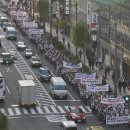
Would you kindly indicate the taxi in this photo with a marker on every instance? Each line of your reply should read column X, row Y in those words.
column 95, row 128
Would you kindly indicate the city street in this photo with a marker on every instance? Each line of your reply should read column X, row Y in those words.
column 49, row 112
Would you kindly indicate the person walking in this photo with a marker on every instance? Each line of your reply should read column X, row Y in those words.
column 120, row 86
column 63, row 39
column 124, row 84
column 68, row 45
column 108, row 70
column 80, row 53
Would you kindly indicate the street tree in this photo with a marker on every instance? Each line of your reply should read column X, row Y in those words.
column 3, row 122
column 81, row 37
column 43, row 10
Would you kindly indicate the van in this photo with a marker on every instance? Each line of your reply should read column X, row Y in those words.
column 68, row 125
column 3, row 19
column 2, row 87
column 11, row 33
column 58, row 88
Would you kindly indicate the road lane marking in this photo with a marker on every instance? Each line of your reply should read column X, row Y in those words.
column 54, row 109
column 46, row 109
column 88, row 108
column 83, row 109
column 61, row 109
column 39, row 110
column 8, row 89
column 15, row 105
column 10, row 111
column 25, row 111
column 3, row 111
column 32, row 111
column 17, row 111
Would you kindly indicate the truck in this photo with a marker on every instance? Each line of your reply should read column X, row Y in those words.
column 26, row 93
column 2, row 87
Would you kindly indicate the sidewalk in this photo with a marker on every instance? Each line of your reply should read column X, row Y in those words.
column 73, row 48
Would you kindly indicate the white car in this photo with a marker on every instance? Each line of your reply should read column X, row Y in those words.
column 35, row 61
column 28, row 52
column 21, row 45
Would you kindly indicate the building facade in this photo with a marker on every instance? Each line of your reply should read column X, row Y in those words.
column 114, row 35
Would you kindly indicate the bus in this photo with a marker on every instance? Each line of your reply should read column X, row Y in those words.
column 2, row 87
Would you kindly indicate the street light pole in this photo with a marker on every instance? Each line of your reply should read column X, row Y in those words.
column 50, row 20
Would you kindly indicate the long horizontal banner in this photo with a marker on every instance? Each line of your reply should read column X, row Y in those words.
column 116, row 120
column 91, row 81
column 95, row 88
column 87, row 76
column 69, row 65
column 112, row 100
column 36, row 31
column 30, row 25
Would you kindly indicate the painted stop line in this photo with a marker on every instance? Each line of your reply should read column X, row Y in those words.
column 56, row 118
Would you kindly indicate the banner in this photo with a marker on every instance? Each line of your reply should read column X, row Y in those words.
column 91, row 81
column 36, row 31
column 69, row 65
column 112, row 100
column 30, row 24
column 116, row 120
column 87, row 76
column 95, row 88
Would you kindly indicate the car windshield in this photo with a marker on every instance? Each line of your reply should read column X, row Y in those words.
column 60, row 87
column 6, row 56
column 28, row 50
column 45, row 72
column 35, row 59
column 12, row 32
column 77, row 111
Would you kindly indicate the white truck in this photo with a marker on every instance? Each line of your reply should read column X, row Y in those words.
column 27, row 93
column 2, row 87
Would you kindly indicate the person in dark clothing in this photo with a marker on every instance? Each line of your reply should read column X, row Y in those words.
column 108, row 70
column 68, row 46
column 0, row 43
column 120, row 86
column 113, row 76
column 80, row 54
column 104, row 80
column 124, row 84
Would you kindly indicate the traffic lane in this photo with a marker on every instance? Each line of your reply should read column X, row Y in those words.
column 11, row 76
column 32, row 123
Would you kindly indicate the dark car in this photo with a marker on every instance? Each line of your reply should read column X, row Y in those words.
column 44, row 74
column 6, row 58
column 76, row 114
column 35, row 61
column 20, row 45
column 28, row 52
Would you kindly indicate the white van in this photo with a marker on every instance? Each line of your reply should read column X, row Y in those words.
column 68, row 125
column 2, row 87
column 11, row 33
column 58, row 88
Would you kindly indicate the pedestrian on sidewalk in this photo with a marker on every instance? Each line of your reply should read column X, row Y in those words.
column 80, row 53
column 0, row 43
column 68, row 45
column 63, row 39
column 124, row 84
column 108, row 70
column 120, row 85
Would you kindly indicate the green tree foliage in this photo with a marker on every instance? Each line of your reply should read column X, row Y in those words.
column 3, row 122
column 81, row 37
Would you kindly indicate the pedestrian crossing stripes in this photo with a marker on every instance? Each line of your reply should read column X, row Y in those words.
column 16, row 111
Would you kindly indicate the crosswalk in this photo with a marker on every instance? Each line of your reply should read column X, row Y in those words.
column 17, row 111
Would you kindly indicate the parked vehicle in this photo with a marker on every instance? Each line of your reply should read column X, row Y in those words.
column 28, row 52
column 76, row 114
column 6, row 24
column 6, row 58
column 2, row 87
column 58, row 88
column 26, row 93
column 11, row 33
column 35, row 61
column 44, row 74
column 20, row 45
column 68, row 125
column 3, row 19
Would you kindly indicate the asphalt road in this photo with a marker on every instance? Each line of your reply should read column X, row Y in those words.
column 43, row 116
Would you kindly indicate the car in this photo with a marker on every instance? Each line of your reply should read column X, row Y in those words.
column 68, row 125
column 44, row 74
column 95, row 128
column 6, row 24
column 28, row 52
column 6, row 58
column 20, row 45
column 76, row 114
column 35, row 61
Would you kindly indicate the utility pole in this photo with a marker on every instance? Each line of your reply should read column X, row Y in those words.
column 115, row 67
column 50, row 20
column 76, row 22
